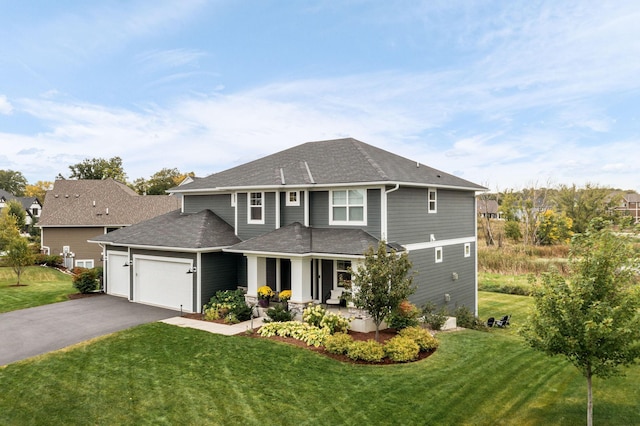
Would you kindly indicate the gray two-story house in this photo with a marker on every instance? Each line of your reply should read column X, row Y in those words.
column 298, row 220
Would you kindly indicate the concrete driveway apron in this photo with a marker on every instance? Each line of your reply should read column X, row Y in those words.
column 34, row 331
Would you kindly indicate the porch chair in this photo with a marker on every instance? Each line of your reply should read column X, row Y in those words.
column 504, row 321
column 491, row 321
column 335, row 297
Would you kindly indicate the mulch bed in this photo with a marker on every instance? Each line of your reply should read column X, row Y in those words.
column 383, row 336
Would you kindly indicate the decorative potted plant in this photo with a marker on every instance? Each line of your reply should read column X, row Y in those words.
column 265, row 293
column 284, row 297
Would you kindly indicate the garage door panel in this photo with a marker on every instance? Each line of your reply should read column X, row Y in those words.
column 117, row 275
column 164, row 283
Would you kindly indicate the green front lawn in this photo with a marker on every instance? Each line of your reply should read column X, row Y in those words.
column 43, row 286
column 161, row 374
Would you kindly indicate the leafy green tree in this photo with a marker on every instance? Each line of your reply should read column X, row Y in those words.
column 16, row 210
column 160, row 181
column 13, row 182
column 593, row 318
column 99, row 168
column 9, row 230
column 584, row 204
column 19, row 256
column 382, row 283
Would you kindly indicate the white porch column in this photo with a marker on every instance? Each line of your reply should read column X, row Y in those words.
column 301, row 280
column 256, row 274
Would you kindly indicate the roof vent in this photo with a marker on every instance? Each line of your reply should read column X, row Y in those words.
column 438, row 176
column 56, row 196
column 107, row 211
column 417, row 164
column 77, row 195
column 66, row 195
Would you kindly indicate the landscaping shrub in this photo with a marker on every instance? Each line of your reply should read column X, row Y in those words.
column 313, row 314
column 47, row 260
column 425, row 340
column 278, row 314
column 401, row 349
column 228, row 305
column 311, row 335
column 335, row 323
column 370, row 351
column 405, row 315
column 338, row 343
column 433, row 316
column 466, row 319
column 85, row 281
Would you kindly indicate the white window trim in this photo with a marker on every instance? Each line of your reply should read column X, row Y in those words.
column 233, row 199
column 336, row 280
column 439, row 255
column 362, row 222
column 288, row 201
column 467, row 250
column 89, row 261
column 254, row 221
column 435, row 200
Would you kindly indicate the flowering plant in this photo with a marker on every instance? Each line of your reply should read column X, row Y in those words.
column 265, row 292
column 285, row 295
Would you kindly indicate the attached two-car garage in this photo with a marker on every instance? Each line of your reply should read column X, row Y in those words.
column 159, row 281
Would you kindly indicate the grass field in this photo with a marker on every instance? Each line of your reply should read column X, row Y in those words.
column 43, row 286
column 160, row 374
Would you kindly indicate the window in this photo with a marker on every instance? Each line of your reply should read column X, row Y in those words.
column 433, row 201
column 343, row 276
column 467, row 250
column 256, row 208
column 34, row 211
column 348, row 207
column 293, row 198
column 84, row 263
column 438, row 254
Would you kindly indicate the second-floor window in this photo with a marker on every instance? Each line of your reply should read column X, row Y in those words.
column 256, row 207
column 348, row 207
column 293, row 198
column 433, row 201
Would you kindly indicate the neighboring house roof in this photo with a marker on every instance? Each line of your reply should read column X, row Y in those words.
column 175, row 230
column 299, row 239
column 25, row 202
column 487, row 206
column 100, row 203
column 340, row 161
column 632, row 198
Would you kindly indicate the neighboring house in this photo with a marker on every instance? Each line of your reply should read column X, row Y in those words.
column 488, row 209
column 630, row 206
column 31, row 206
column 77, row 210
column 297, row 220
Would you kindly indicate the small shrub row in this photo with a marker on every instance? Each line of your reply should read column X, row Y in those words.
column 404, row 347
column 433, row 316
column 86, row 280
column 310, row 334
column 405, row 315
column 47, row 260
column 321, row 318
column 465, row 318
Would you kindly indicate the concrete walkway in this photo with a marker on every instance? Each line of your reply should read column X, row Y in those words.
column 212, row 327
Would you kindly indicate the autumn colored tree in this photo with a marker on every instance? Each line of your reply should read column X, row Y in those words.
column 160, row 181
column 382, row 283
column 38, row 190
column 592, row 318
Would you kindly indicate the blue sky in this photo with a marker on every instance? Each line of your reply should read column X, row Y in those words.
column 507, row 94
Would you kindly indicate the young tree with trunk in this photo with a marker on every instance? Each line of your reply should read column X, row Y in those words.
column 381, row 283
column 18, row 256
column 9, row 230
column 593, row 318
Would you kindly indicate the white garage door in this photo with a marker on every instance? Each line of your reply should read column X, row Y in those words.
column 163, row 282
column 117, row 275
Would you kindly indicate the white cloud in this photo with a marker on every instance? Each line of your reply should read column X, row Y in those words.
column 5, row 106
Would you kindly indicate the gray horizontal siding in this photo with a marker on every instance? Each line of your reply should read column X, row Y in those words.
column 246, row 230
column 319, row 211
column 218, row 272
column 291, row 214
column 434, row 280
column 410, row 222
column 220, row 204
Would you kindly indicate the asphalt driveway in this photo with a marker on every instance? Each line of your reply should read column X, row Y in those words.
column 34, row 331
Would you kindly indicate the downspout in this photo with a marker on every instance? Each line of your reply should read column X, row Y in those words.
column 104, row 268
column 385, row 217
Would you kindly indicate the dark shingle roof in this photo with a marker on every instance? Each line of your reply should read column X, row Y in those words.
column 299, row 239
column 200, row 230
column 100, row 203
column 340, row 161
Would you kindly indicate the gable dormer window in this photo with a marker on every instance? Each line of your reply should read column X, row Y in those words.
column 348, row 207
column 293, row 198
column 255, row 206
column 433, row 201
